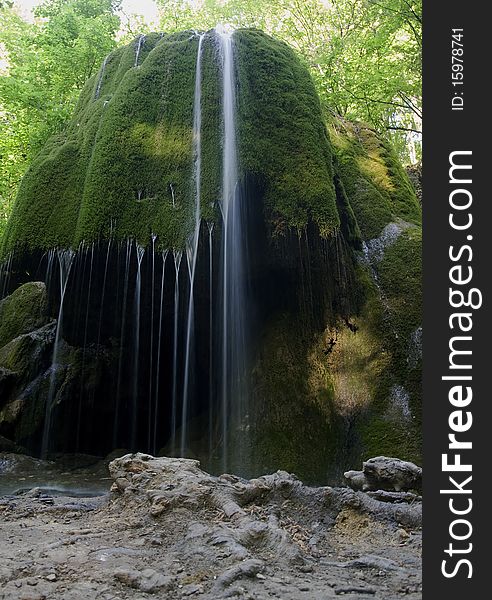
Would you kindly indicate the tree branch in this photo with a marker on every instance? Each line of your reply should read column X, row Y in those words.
column 403, row 129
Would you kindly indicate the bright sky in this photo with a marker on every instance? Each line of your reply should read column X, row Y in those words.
column 146, row 8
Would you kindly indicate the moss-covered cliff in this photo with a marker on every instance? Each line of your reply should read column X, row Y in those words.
column 124, row 163
column 333, row 237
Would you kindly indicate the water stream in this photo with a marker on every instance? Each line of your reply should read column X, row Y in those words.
column 65, row 261
column 192, row 246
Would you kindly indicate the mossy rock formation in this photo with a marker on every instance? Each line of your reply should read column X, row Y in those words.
column 124, row 164
column 333, row 234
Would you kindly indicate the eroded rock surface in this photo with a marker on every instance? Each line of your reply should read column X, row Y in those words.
column 169, row 530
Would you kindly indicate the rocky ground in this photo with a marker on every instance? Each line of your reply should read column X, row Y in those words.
column 169, row 530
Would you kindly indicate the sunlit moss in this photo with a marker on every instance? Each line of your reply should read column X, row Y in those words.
column 373, row 178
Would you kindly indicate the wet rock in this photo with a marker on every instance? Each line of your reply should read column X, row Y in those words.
column 7, row 380
column 23, row 311
column 7, row 445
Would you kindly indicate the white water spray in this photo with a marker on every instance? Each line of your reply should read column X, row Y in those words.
column 65, row 260
column 192, row 246
column 234, row 308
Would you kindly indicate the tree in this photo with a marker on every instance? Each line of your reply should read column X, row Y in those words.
column 46, row 65
column 364, row 55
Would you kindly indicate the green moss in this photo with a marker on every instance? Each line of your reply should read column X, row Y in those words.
column 394, row 313
column 376, row 184
column 126, row 152
column 283, row 141
column 383, row 438
column 400, row 275
column 124, row 164
column 296, row 428
column 211, row 131
column 23, row 311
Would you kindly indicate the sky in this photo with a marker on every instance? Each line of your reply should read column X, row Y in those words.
column 146, row 8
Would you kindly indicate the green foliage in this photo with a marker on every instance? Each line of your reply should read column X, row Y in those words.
column 46, row 64
column 364, row 56
column 123, row 166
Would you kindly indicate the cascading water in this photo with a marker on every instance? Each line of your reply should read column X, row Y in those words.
column 65, row 261
column 138, row 294
column 210, row 227
column 172, row 371
column 5, row 270
column 192, row 246
column 140, row 43
column 86, row 328
column 234, row 389
column 159, row 350
column 101, row 77
column 174, row 415
column 151, row 349
column 128, row 255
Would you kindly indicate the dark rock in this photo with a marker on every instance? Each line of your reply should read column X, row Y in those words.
column 7, row 380
column 23, row 311
column 7, row 445
column 383, row 473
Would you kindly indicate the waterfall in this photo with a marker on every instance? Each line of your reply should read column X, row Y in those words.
column 141, row 41
column 86, row 327
column 210, row 337
column 65, row 260
column 159, row 347
column 177, row 263
column 103, row 293
column 151, row 350
column 5, row 272
column 128, row 256
column 192, row 246
column 233, row 286
column 136, row 357
column 100, row 80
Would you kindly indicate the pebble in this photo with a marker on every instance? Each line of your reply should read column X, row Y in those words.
column 51, row 577
column 402, row 535
column 192, row 588
column 306, row 568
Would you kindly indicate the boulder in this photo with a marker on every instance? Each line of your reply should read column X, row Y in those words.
column 383, row 473
column 23, row 311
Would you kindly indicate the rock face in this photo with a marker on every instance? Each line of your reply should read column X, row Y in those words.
column 383, row 473
column 23, row 311
column 170, row 529
column 333, row 270
column 27, row 370
column 26, row 344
